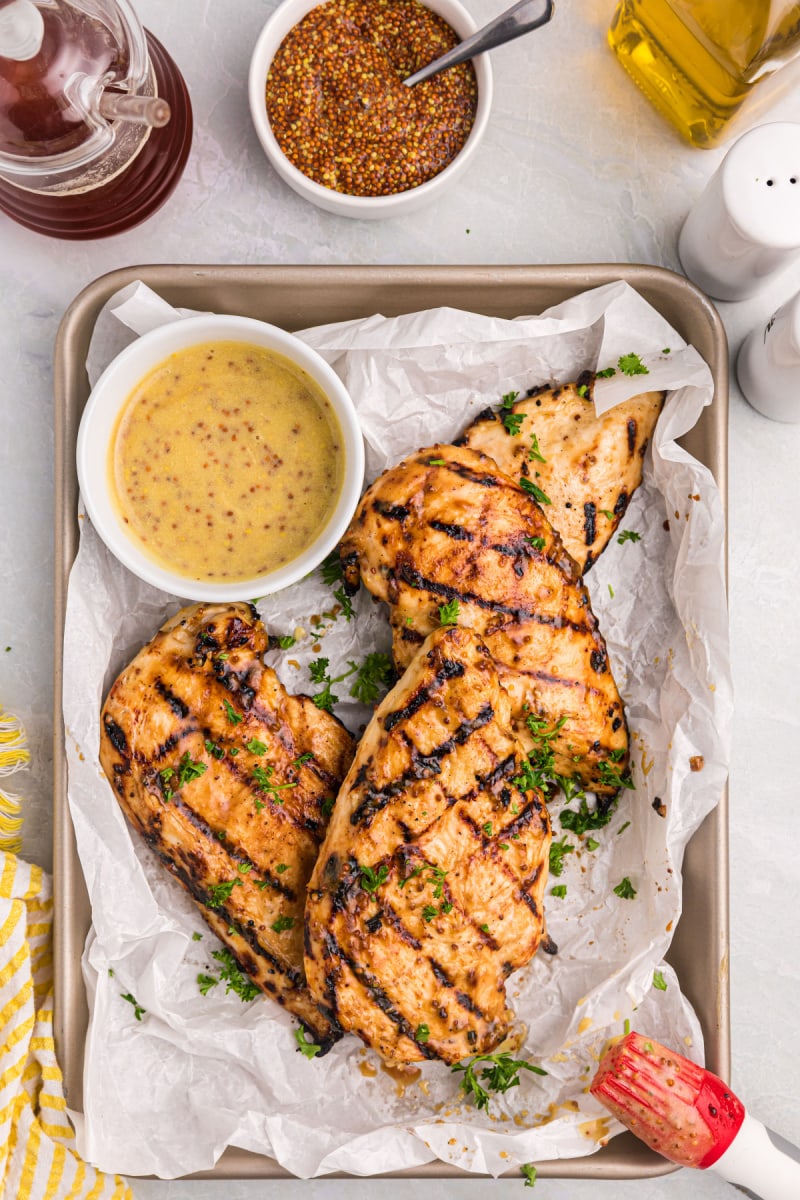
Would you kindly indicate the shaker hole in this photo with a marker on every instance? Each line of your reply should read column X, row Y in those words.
column 770, row 182
column 793, row 180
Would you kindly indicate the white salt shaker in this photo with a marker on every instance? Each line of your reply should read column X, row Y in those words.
column 768, row 364
column 745, row 227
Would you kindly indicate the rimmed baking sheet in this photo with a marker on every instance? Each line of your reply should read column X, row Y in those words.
column 299, row 297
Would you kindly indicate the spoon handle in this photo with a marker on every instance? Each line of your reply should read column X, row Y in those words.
column 520, row 18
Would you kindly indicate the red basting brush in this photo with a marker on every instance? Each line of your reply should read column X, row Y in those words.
column 691, row 1117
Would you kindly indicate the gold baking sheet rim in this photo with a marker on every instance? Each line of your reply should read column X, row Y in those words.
column 297, row 297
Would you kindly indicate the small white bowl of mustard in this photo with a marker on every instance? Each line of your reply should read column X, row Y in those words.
column 334, row 118
column 220, row 458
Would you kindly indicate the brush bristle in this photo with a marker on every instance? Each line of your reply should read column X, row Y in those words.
column 678, row 1109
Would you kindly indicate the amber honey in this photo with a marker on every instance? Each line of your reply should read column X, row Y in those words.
column 697, row 60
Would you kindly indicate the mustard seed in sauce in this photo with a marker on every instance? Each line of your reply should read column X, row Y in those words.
column 200, row 485
column 340, row 111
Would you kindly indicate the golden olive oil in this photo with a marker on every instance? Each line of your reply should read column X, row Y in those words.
column 696, row 60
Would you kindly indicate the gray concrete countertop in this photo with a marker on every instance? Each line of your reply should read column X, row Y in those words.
column 575, row 168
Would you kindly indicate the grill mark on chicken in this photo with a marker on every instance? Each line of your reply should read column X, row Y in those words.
column 395, row 922
column 423, row 766
column 441, row 977
column 631, row 435
column 238, row 857
column 176, row 704
column 392, row 512
column 219, row 827
column 116, row 736
column 586, row 457
column 590, row 522
column 457, row 532
column 199, row 893
column 417, row 580
column 533, row 611
column 414, row 949
column 448, row 670
column 379, row 997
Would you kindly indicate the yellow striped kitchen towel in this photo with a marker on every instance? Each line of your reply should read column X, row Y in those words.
column 37, row 1158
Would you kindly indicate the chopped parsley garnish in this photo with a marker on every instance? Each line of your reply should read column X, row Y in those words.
column 539, row 767
column 302, row 758
column 583, row 818
column 281, row 924
column 214, row 750
column 448, row 613
column 165, row 775
column 263, row 779
column 137, row 1008
column 197, row 937
column 281, row 867
column 607, row 513
column 287, row 641
column 498, row 1073
column 446, row 907
column 326, row 808
column 256, row 747
column 659, row 981
column 188, row 769
column 508, row 399
column 631, row 364
column 484, row 928
column 559, row 891
column 625, row 889
column 536, row 542
column 487, row 828
column 244, row 868
column 371, row 879
column 344, row 600
column 558, row 851
column 583, row 391
column 233, row 716
column 529, row 1171
column 422, row 1034
column 375, row 673
column 591, row 844
column 622, row 828
column 626, row 1028
column 529, row 486
column 318, row 670
column 628, row 535
column 613, row 776
column 232, row 976
column 218, row 893
column 611, row 591
column 429, row 912
column 331, row 567
column 535, row 453
column 206, row 983
column 606, row 373
column 435, row 462
column 512, row 423
column 307, row 1049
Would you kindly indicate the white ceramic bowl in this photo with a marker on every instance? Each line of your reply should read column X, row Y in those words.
column 98, row 425
column 284, row 18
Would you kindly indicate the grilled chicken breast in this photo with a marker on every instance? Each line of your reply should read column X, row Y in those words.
column 229, row 778
column 445, row 527
column 429, row 887
column 587, row 466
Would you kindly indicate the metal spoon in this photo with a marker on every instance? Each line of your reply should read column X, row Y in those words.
column 520, row 18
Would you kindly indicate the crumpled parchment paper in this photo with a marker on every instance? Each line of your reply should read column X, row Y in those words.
column 165, row 1093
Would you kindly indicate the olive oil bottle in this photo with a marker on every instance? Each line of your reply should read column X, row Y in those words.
column 697, row 60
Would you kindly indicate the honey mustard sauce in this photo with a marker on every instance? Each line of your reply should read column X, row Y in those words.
column 227, row 461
